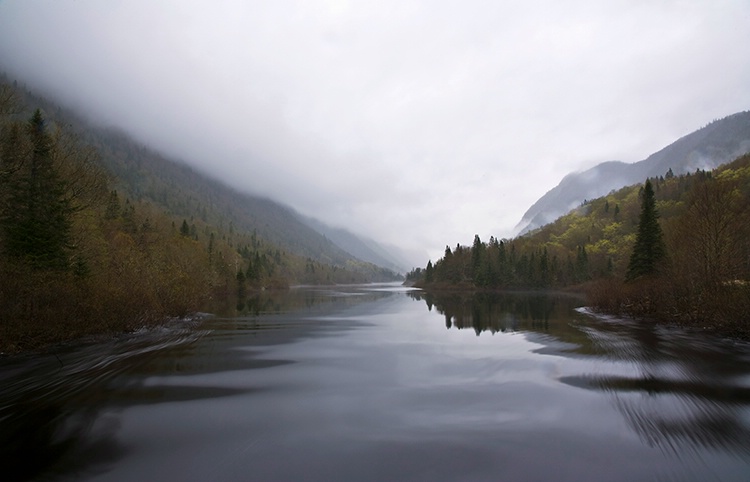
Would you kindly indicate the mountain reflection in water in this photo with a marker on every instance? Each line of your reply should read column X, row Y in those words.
column 364, row 383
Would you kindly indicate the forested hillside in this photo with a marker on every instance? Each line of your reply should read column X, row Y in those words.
column 703, row 220
column 143, row 174
column 99, row 234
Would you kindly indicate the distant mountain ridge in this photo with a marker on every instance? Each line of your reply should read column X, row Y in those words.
column 717, row 143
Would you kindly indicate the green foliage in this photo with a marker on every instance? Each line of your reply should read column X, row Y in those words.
column 649, row 252
column 701, row 219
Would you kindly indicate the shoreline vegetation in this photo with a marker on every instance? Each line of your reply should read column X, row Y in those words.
column 86, row 252
column 675, row 250
column 641, row 303
column 92, row 242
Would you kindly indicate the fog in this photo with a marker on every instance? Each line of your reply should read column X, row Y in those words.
column 417, row 123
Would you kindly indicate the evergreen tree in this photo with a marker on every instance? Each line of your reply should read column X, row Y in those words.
column 544, row 276
column 252, row 270
column 502, row 265
column 185, row 228
column 36, row 215
column 241, row 288
column 211, row 243
column 582, row 264
column 429, row 274
column 477, row 255
column 649, row 252
column 113, row 206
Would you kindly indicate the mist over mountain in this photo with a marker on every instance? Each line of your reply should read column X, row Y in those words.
column 142, row 173
column 361, row 247
column 715, row 144
column 270, row 219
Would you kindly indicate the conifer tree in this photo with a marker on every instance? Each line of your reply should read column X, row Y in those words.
column 429, row 274
column 36, row 216
column 477, row 255
column 113, row 206
column 649, row 252
column 185, row 229
column 544, row 274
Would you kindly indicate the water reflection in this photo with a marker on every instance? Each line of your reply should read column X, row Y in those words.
column 684, row 391
column 543, row 313
column 679, row 391
column 58, row 411
column 317, row 298
column 49, row 404
column 363, row 383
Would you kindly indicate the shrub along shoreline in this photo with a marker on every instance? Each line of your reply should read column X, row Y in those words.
column 724, row 311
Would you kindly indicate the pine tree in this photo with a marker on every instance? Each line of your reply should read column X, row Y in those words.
column 544, row 268
column 241, row 288
column 429, row 273
column 582, row 264
column 36, row 216
column 113, row 206
column 185, row 229
column 649, row 252
column 477, row 257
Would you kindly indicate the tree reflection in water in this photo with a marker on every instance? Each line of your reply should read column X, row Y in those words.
column 502, row 312
column 687, row 390
column 680, row 391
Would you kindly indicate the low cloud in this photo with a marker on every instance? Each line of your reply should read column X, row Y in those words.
column 419, row 124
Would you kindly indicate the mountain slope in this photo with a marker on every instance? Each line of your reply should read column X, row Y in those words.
column 360, row 247
column 717, row 143
column 144, row 174
column 188, row 193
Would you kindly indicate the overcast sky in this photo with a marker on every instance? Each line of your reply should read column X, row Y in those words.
column 417, row 123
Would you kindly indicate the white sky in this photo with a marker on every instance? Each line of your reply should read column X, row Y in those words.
column 417, row 123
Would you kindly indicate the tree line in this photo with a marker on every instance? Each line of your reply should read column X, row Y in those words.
column 676, row 248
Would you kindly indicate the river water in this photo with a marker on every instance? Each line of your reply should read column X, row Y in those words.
column 380, row 382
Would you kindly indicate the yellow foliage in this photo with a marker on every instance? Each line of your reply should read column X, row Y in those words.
column 737, row 174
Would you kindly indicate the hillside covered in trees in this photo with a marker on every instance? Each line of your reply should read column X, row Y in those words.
column 99, row 235
column 675, row 249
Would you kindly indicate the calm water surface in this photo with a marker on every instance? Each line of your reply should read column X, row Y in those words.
column 383, row 383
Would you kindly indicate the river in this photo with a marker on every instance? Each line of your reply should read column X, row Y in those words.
column 380, row 382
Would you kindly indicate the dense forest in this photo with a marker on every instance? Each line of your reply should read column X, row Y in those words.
column 92, row 242
column 675, row 249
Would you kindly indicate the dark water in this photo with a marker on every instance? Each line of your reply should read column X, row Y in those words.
column 380, row 383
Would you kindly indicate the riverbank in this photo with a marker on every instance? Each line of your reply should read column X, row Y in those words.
column 723, row 312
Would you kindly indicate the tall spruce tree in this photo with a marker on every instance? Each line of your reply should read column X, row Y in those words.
column 36, row 215
column 649, row 252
